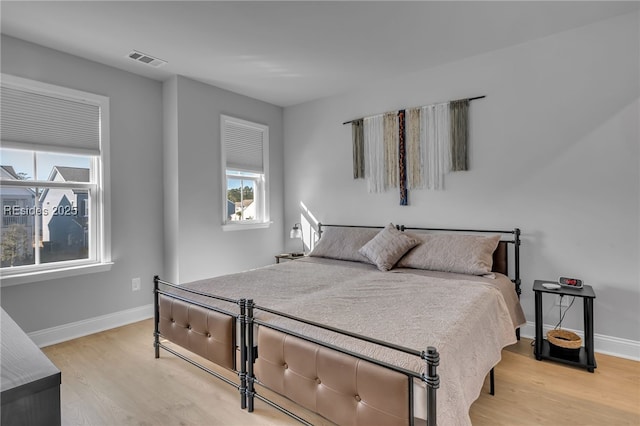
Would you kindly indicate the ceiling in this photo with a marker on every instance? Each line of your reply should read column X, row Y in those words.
column 287, row 53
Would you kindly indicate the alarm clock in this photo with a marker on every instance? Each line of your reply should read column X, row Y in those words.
column 570, row 282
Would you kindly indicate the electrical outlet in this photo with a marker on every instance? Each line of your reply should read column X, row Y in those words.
column 135, row 284
column 562, row 301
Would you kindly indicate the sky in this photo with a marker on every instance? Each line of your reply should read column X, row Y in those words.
column 22, row 162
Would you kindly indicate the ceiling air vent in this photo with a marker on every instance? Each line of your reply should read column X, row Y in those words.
column 146, row 59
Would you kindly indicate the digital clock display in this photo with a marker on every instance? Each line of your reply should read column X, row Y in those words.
column 570, row 282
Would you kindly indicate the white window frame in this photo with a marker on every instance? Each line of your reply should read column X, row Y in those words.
column 261, row 191
column 99, row 259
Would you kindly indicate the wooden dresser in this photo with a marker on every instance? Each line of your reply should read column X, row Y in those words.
column 30, row 383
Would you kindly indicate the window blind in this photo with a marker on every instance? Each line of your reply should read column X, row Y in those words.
column 43, row 121
column 244, row 145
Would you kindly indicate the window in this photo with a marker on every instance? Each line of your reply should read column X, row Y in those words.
column 53, row 181
column 245, row 147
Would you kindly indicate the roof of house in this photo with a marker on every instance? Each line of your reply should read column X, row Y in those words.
column 11, row 171
column 71, row 174
column 68, row 174
column 245, row 203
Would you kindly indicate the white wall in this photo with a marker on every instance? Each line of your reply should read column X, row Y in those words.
column 196, row 245
column 136, row 192
column 554, row 151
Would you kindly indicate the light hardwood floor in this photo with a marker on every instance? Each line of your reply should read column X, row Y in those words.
column 111, row 378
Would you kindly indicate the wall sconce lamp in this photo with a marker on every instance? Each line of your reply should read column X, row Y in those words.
column 296, row 232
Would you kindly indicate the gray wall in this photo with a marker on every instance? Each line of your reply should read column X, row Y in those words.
column 167, row 223
column 136, row 192
column 554, row 151
column 196, row 245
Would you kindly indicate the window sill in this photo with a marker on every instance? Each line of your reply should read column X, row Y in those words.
column 245, row 226
column 35, row 276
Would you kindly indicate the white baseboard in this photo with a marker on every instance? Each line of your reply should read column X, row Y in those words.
column 615, row 346
column 608, row 345
column 62, row 333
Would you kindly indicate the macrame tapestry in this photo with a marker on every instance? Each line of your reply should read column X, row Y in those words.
column 374, row 165
column 358, row 148
column 402, row 164
column 459, row 112
column 391, row 150
column 412, row 148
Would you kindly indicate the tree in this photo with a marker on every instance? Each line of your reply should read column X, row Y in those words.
column 15, row 244
column 234, row 194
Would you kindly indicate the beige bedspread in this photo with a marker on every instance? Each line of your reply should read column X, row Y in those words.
column 468, row 319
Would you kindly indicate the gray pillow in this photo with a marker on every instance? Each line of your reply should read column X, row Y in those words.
column 464, row 254
column 386, row 248
column 343, row 243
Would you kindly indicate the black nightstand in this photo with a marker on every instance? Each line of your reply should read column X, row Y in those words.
column 585, row 357
column 288, row 256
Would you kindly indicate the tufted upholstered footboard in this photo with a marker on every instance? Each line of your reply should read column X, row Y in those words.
column 339, row 387
column 204, row 332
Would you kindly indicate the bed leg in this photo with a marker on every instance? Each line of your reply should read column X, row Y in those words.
column 252, row 356
column 242, row 373
column 492, row 382
column 156, row 329
column 432, row 380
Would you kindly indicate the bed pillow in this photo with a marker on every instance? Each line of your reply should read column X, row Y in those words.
column 386, row 248
column 343, row 243
column 464, row 254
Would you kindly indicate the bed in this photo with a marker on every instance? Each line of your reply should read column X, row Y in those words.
column 367, row 329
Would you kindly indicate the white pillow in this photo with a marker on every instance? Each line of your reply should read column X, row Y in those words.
column 464, row 254
column 343, row 243
column 386, row 248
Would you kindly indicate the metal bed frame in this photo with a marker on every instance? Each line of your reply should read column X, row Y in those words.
column 239, row 316
column 244, row 316
column 515, row 241
column 431, row 357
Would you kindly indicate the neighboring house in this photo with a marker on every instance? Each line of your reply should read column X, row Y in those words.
column 18, row 220
column 245, row 210
column 65, row 224
column 231, row 210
